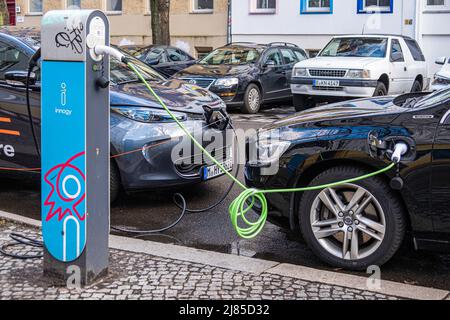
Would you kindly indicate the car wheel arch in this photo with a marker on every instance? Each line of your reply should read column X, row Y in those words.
column 258, row 84
column 305, row 177
column 384, row 78
column 419, row 78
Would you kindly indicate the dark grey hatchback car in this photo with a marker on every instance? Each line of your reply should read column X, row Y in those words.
column 142, row 134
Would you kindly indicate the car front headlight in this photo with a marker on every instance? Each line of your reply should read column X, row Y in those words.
column 300, row 72
column 227, row 82
column 358, row 74
column 271, row 151
column 440, row 80
column 266, row 147
column 148, row 115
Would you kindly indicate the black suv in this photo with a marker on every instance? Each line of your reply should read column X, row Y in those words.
column 247, row 74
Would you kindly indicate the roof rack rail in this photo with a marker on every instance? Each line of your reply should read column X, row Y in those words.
column 240, row 42
column 287, row 44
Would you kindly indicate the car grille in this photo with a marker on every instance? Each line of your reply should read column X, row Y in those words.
column 190, row 166
column 331, row 73
column 201, row 82
column 328, row 88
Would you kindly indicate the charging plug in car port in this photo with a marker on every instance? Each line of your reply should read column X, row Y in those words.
column 216, row 118
column 398, row 149
column 384, row 147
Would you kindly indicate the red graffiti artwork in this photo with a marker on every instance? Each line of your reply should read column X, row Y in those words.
column 71, row 202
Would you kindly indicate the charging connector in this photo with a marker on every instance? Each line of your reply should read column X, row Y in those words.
column 400, row 149
column 102, row 50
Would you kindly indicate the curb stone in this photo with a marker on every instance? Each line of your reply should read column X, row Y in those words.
column 256, row 266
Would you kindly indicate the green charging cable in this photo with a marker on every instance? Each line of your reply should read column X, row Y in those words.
column 246, row 200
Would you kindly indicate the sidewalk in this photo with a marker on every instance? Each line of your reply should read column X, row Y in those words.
column 194, row 274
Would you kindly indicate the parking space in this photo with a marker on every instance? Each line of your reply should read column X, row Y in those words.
column 212, row 230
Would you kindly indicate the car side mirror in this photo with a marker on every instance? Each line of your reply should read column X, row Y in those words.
column 19, row 78
column 153, row 62
column 396, row 57
column 269, row 64
column 441, row 60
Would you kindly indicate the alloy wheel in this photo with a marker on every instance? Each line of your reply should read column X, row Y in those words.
column 348, row 221
column 253, row 99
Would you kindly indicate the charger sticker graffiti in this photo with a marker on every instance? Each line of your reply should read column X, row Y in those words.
column 66, row 183
column 71, row 37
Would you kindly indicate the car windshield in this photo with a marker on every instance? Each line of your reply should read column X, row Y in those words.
column 436, row 97
column 121, row 74
column 231, row 56
column 356, row 47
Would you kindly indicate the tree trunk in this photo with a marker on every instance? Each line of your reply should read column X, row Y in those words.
column 160, row 10
column 4, row 14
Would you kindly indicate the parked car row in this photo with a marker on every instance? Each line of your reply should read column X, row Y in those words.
column 138, row 122
column 248, row 75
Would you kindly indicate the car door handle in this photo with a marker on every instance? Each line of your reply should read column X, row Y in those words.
column 406, row 68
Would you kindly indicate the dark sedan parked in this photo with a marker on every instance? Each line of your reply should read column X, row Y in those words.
column 363, row 223
column 247, row 74
column 165, row 59
column 142, row 134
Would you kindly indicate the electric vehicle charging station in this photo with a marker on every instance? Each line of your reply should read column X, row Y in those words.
column 75, row 144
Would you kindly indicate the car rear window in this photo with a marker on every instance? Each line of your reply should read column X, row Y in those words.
column 415, row 50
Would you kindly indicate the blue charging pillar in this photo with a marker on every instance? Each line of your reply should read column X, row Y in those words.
column 75, row 144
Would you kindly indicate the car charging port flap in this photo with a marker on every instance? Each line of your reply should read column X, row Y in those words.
column 385, row 146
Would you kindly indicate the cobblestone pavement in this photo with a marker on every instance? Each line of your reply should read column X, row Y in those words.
column 140, row 276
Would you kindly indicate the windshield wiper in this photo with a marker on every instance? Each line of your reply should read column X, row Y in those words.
column 135, row 80
column 411, row 102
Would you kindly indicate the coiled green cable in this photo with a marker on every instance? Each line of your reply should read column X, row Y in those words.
column 248, row 197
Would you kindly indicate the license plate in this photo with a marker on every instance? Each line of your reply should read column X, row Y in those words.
column 326, row 83
column 214, row 170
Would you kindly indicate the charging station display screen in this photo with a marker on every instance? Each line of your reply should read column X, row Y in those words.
column 64, row 158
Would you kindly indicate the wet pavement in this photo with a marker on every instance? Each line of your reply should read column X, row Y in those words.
column 212, row 230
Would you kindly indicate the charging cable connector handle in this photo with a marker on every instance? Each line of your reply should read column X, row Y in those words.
column 400, row 149
column 106, row 50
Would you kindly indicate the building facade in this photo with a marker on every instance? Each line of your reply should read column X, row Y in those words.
column 311, row 23
column 197, row 26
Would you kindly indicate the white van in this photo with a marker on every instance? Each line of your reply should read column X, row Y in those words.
column 360, row 66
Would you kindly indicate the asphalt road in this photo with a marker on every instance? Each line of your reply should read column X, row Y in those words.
column 212, row 230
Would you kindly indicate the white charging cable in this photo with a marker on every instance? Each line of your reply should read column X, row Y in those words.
column 101, row 50
column 400, row 149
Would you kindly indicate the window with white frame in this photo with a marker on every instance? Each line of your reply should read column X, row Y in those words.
column 311, row 6
column 377, row 5
column 202, row 6
column 114, row 6
column 35, row 6
column 263, row 6
column 437, row 4
column 73, row 4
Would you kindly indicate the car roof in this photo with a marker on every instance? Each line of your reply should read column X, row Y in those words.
column 373, row 36
column 262, row 46
column 28, row 35
column 30, row 38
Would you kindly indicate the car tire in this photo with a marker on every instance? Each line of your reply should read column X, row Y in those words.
column 252, row 99
column 302, row 102
column 384, row 213
column 417, row 86
column 114, row 182
column 380, row 90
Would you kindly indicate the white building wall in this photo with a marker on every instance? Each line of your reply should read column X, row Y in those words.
column 433, row 33
column 313, row 31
